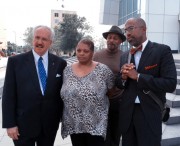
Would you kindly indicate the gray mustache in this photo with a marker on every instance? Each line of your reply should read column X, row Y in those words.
column 39, row 46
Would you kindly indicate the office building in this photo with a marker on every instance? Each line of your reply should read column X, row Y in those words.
column 162, row 18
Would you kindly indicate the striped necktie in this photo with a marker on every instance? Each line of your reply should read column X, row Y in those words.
column 42, row 73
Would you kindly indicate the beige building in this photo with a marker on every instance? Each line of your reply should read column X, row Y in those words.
column 58, row 15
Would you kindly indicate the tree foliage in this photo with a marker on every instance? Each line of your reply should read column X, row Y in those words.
column 71, row 31
column 28, row 35
column 56, row 43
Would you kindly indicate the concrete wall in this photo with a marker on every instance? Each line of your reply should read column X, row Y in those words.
column 109, row 12
column 162, row 21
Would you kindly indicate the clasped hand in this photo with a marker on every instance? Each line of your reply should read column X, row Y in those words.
column 128, row 71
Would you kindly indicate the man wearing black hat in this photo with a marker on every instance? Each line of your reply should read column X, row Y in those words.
column 111, row 57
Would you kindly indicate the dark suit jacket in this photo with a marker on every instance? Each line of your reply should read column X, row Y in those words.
column 158, row 74
column 23, row 104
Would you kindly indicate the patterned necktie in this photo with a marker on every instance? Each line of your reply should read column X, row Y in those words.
column 134, row 50
column 42, row 73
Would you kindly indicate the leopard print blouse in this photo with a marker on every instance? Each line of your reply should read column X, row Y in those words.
column 86, row 104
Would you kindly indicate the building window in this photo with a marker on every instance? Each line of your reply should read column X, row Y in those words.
column 56, row 15
column 56, row 21
column 128, row 9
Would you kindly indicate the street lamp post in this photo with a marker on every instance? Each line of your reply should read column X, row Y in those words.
column 15, row 41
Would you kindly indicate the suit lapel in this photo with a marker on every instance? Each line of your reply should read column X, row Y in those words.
column 145, row 55
column 51, row 71
column 32, row 70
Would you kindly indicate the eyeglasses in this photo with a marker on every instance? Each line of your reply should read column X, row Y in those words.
column 130, row 29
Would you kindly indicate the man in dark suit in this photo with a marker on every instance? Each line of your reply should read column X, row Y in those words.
column 152, row 68
column 31, row 109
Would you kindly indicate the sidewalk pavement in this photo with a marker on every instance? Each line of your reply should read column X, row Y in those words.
column 6, row 141
column 3, row 61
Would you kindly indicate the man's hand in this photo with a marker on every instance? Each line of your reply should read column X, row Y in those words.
column 13, row 133
column 128, row 71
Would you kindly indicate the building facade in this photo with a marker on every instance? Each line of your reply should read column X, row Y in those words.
column 162, row 18
column 57, row 16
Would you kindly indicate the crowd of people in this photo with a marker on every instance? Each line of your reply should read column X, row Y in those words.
column 99, row 99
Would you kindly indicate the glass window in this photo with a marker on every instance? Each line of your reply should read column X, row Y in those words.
column 129, row 6
column 56, row 15
column 127, row 9
column 135, row 5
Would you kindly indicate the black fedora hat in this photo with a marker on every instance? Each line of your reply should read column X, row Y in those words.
column 116, row 30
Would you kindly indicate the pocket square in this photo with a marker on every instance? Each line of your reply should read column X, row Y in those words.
column 150, row 67
column 58, row 75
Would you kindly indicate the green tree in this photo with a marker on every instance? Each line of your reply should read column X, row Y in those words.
column 28, row 35
column 70, row 31
column 101, row 43
column 11, row 47
column 56, row 43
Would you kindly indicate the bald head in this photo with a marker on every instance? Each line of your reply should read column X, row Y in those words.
column 138, row 21
column 135, row 30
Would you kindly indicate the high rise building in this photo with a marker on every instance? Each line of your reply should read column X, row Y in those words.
column 162, row 18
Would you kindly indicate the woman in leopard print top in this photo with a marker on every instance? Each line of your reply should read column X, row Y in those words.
column 86, row 104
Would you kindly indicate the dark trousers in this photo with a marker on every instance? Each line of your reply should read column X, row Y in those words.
column 86, row 139
column 113, row 132
column 40, row 140
column 139, row 132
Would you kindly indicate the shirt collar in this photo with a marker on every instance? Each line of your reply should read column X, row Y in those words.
column 36, row 56
column 144, row 44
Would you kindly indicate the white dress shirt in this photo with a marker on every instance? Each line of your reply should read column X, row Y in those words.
column 137, row 57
